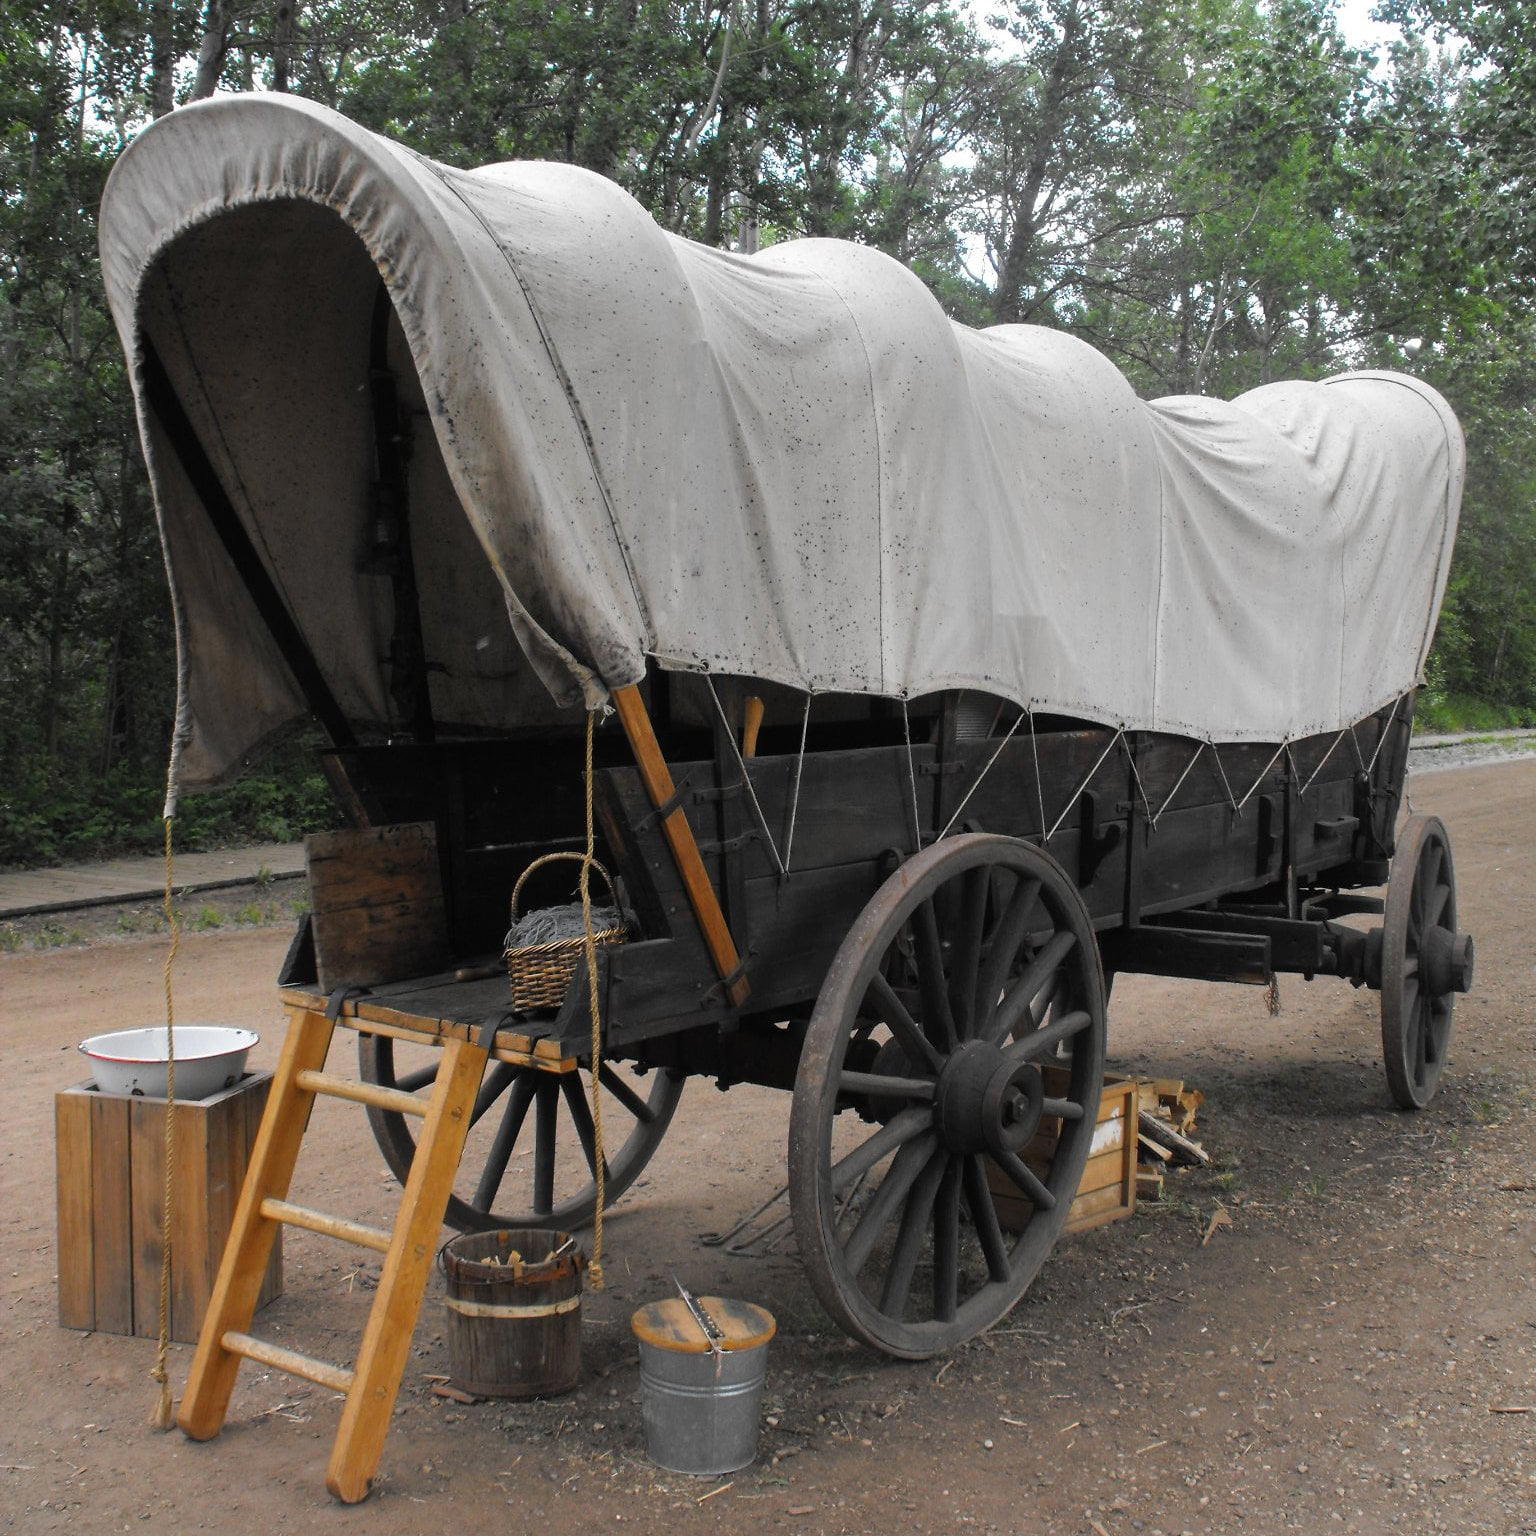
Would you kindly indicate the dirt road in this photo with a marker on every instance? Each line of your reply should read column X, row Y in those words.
column 1356, row 1352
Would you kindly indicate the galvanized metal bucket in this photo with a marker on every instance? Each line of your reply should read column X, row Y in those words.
column 701, row 1405
column 514, row 1312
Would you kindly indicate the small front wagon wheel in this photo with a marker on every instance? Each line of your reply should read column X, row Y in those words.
column 539, row 1119
column 1425, row 962
column 957, row 1044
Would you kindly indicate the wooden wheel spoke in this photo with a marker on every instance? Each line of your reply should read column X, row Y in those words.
column 965, row 960
column 1437, row 905
column 1044, row 1040
column 626, row 1095
column 919, row 1048
column 910, row 1236
column 418, row 1079
column 908, row 1163
column 1003, row 944
column 1427, row 878
column 1027, row 1179
column 512, row 1118
column 901, row 1128
column 581, row 1117
column 1063, row 1109
column 938, row 1020
column 545, row 1125
column 877, row 1085
column 496, row 1083
column 1043, row 1000
column 989, row 1232
column 1042, row 968
column 946, row 1244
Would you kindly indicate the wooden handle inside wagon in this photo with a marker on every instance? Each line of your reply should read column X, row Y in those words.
column 657, row 777
column 752, row 724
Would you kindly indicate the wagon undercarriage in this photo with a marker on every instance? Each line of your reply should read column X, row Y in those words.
column 926, row 972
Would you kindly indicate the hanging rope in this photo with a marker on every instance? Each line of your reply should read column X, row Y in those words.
column 164, row 1413
column 600, row 1162
column 794, row 794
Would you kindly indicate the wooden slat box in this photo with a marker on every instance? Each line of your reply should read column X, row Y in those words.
column 1108, row 1188
column 110, row 1152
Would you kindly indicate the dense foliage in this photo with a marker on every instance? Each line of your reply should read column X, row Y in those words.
column 1216, row 192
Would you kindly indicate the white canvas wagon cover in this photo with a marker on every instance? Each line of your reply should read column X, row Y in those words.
column 790, row 465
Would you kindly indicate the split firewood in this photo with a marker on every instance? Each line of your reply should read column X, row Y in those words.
column 1152, row 1148
column 1164, row 1134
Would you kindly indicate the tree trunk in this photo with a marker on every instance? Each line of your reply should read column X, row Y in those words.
column 162, row 57
column 284, row 25
column 1007, row 302
column 211, row 51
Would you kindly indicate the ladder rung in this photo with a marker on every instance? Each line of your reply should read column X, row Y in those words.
column 327, row 1226
column 362, row 1093
column 321, row 1372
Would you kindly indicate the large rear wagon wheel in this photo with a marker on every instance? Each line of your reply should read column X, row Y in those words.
column 1425, row 962
column 963, row 1014
column 526, row 1117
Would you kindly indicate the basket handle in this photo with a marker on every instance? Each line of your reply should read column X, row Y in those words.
column 550, row 858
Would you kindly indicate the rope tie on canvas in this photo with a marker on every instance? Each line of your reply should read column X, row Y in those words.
column 599, row 1160
column 1371, row 766
column 1326, row 755
column 1178, row 784
column 794, row 794
column 1263, row 775
column 1226, row 783
column 1034, row 748
column 1087, row 780
column 976, row 782
column 906, row 731
column 746, row 778
column 1146, row 804
column 164, row 1413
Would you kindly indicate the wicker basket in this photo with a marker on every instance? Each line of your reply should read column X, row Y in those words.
column 541, row 973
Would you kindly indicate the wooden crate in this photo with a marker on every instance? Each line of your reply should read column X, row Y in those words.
column 110, row 1158
column 1108, row 1188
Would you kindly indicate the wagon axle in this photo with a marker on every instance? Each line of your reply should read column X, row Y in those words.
column 1445, row 958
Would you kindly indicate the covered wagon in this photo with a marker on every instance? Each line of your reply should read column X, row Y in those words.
column 910, row 681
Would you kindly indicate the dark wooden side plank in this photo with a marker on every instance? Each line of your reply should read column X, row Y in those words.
column 377, row 900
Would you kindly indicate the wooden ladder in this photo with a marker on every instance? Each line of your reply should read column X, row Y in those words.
column 370, row 1386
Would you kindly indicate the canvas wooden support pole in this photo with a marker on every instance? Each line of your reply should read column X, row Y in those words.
column 702, row 896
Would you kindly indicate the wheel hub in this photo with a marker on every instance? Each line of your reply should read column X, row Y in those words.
column 985, row 1103
column 1445, row 962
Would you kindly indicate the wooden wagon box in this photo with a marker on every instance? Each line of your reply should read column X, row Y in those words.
column 1107, row 1191
column 110, row 1151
